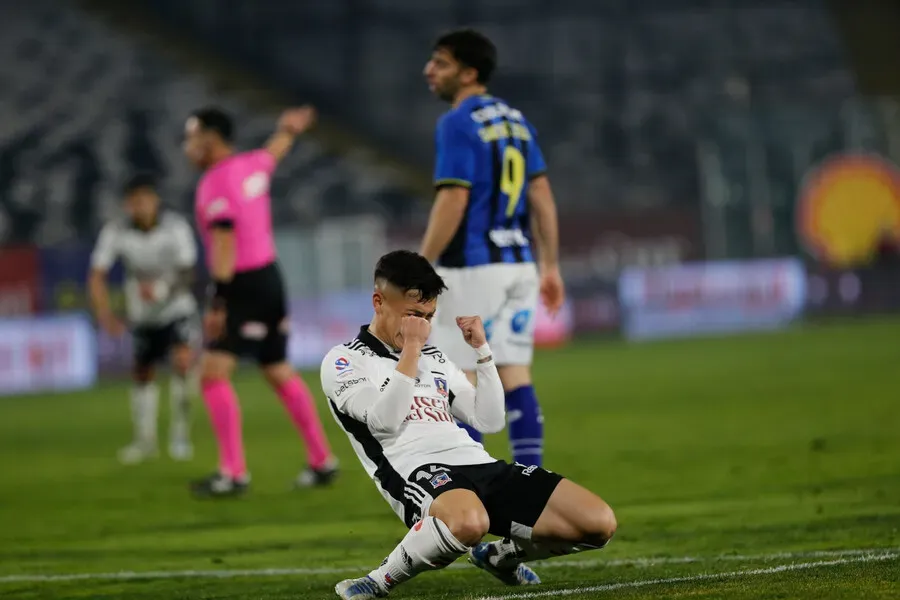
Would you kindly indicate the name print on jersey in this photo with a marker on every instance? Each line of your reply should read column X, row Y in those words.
column 434, row 410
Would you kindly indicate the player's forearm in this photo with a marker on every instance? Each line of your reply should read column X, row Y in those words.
column 490, row 400
column 545, row 224
column 483, row 405
column 280, row 144
column 99, row 294
column 223, row 256
column 391, row 407
column 446, row 216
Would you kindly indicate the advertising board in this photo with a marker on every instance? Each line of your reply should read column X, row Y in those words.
column 53, row 353
column 714, row 297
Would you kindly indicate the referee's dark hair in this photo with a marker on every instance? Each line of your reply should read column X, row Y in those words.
column 139, row 181
column 409, row 271
column 217, row 120
column 471, row 49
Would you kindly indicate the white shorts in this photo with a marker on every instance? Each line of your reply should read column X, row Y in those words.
column 505, row 296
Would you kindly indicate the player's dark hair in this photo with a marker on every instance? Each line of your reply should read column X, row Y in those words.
column 139, row 181
column 408, row 271
column 216, row 120
column 472, row 49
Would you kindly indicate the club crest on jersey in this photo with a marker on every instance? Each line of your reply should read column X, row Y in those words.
column 439, row 480
column 441, row 384
column 342, row 366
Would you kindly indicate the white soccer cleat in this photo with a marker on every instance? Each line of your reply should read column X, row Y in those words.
column 364, row 588
column 181, row 450
column 519, row 574
column 137, row 453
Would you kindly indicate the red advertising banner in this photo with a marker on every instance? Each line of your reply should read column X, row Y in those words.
column 19, row 281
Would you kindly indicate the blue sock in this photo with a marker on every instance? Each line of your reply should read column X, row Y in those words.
column 473, row 433
column 526, row 426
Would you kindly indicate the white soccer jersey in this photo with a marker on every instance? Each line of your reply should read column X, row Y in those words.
column 359, row 375
column 161, row 255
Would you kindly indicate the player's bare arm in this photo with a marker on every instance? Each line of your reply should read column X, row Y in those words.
column 99, row 294
column 223, row 255
column 446, row 216
column 545, row 227
column 293, row 123
column 103, row 257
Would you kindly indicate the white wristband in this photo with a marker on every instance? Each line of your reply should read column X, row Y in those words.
column 483, row 351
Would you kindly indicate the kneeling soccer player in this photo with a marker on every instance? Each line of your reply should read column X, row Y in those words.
column 396, row 398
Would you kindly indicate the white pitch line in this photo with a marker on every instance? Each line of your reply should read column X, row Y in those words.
column 609, row 587
column 554, row 564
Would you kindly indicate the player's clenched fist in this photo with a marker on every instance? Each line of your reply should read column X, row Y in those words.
column 473, row 331
column 415, row 331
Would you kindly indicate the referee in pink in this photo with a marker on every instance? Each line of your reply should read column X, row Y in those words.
column 247, row 314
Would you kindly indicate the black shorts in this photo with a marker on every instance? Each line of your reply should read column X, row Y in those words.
column 514, row 495
column 256, row 325
column 152, row 343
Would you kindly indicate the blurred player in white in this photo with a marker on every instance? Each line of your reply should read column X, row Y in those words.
column 159, row 253
column 397, row 399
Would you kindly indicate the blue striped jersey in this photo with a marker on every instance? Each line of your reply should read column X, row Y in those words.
column 490, row 148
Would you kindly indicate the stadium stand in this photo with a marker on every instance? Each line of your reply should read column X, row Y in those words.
column 620, row 91
column 83, row 106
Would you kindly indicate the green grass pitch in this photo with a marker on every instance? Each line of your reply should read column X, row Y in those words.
column 763, row 466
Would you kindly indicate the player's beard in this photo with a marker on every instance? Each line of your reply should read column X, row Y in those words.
column 448, row 92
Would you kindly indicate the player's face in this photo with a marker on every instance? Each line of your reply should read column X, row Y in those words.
column 196, row 144
column 142, row 205
column 391, row 305
column 445, row 76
